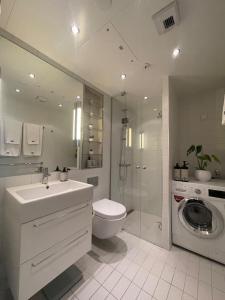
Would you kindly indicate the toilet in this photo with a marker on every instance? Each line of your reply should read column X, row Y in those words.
column 109, row 217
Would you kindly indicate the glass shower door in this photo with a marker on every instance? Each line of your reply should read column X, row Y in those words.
column 150, row 127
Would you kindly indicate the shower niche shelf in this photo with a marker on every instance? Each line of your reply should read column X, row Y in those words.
column 92, row 124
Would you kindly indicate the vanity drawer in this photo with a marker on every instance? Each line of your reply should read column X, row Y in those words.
column 41, row 234
column 42, row 269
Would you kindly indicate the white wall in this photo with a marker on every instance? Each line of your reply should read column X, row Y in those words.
column 199, row 122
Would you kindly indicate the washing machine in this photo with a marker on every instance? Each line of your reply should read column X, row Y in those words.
column 198, row 217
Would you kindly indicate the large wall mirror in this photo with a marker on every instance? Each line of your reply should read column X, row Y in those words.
column 37, row 113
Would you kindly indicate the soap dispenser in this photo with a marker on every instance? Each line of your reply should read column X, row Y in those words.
column 177, row 172
column 185, row 171
column 63, row 176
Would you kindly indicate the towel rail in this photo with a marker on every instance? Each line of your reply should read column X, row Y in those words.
column 21, row 164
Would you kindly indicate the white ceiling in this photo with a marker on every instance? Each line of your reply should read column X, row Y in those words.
column 94, row 53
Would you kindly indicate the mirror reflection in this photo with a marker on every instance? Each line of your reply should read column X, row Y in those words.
column 37, row 113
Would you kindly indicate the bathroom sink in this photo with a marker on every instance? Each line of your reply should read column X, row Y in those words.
column 36, row 200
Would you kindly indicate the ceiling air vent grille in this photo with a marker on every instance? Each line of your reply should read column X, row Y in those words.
column 167, row 18
column 169, row 22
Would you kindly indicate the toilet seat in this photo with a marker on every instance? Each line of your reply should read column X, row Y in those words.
column 108, row 209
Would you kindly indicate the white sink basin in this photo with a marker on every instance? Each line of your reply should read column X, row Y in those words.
column 36, row 200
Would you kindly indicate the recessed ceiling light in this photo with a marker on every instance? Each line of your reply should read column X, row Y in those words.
column 75, row 29
column 78, row 97
column 60, row 105
column 18, row 90
column 123, row 76
column 176, row 52
column 146, row 97
column 155, row 109
column 32, row 75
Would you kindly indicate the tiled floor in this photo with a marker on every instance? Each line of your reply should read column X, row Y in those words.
column 128, row 268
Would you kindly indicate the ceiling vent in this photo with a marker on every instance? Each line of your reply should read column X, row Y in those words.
column 167, row 18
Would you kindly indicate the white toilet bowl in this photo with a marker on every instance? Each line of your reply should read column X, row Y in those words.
column 109, row 217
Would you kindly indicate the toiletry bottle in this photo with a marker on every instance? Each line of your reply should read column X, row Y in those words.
column 177, row 172
column 184, row 172
column 63, row 176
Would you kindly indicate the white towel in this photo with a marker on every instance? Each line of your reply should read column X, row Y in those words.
column 33, row 133
column 32, row 149
column 12, row 131
column 223, row 113
column 10, row 149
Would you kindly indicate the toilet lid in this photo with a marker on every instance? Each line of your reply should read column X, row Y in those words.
column 109, row 209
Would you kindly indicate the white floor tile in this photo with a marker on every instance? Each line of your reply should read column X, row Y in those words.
column 191, row 286
column 144, row 296
column 123, row 266
column 103, row 274
column 204, row 291
column 162, row 290
column 141, row 277
column 87, row 289
column 193, row 269
column 131, row 293
column 150, row 284
column 218, row 280
column 218, row 295
column 157, row 268
column 132, row 270
column 167, row 273
column 112, row 280
column 205, row 274
column 174, row 293
column 121, row 287
column 187, row 297
column 179, row 279
column 110, row 297
column 100, row 294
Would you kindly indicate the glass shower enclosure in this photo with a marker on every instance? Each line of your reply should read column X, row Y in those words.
column 136, row 164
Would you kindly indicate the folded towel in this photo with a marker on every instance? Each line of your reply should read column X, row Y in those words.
column 32, row 140
column 33, row 133
column 12, row 131
column 10, row 149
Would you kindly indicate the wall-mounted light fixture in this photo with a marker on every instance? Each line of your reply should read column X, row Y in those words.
column 129, row 137
column 77, row 119
column 141, row 140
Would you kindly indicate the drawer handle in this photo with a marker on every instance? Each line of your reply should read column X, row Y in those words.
column 36, row 225
column 34, row 265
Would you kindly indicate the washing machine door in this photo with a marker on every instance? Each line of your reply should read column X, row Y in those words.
column 201, row 218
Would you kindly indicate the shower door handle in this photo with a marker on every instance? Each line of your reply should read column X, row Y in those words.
column 138, row 167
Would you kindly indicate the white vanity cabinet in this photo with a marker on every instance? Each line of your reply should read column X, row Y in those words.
column 39, row 250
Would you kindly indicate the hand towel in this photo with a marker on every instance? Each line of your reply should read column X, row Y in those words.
column 32, row 149
column 10, row 149
column 12, row 131
column 33, row 134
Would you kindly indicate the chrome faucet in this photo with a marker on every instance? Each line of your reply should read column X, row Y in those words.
column 45, row 175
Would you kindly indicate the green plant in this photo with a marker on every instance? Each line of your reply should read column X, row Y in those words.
column 202, row 159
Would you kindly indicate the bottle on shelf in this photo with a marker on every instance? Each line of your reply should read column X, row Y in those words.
column 184, row 171
column 177, row 172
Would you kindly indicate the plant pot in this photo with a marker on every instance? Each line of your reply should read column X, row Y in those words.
column 203, row 175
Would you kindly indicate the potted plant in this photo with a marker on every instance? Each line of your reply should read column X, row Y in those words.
column 201, row 172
